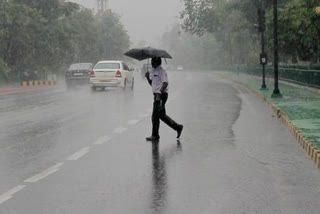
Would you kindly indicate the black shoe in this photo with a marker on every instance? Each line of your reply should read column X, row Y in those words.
column 179, row 131
column 153, row 138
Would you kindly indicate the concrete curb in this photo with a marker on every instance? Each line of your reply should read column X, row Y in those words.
column 312, row 151
column 26, row 89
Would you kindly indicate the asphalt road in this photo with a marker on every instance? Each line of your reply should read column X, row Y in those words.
column 78, row 151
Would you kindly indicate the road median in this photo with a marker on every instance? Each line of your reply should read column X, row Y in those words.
column 38, row 83
column 299, row 110
column 26, row 88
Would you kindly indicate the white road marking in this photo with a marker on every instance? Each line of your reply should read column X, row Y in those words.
column 133, row 122
column 44, row 174
column 79, row 154
column 6, row 196
column 144, row 115
column 120, row 130
column 102, row 140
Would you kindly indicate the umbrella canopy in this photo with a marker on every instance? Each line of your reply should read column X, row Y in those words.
column 146, row 53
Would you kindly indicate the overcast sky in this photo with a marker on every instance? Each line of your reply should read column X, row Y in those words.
column 140, row 17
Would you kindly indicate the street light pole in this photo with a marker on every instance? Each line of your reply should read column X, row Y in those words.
column 263, row 86
column 263, row 55
column 261, row 28
column 276, row 91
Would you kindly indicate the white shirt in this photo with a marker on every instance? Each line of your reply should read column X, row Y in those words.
column 159, row 76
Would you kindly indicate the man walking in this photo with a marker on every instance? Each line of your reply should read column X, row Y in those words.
column 159, row 85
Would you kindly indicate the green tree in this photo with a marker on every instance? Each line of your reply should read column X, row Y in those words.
column 3, row 70
column 113, row 39
column 18, row 34
column 47, row 35
column 299, row 30
column 49, row 9
column 230, row 23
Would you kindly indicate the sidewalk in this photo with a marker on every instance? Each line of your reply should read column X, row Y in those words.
column 300, row 104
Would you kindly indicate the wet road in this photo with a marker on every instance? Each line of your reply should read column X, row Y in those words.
column 77, row 151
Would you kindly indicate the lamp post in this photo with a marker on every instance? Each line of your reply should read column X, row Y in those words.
column 263, row 62
column 276, row 92
column 263, row 55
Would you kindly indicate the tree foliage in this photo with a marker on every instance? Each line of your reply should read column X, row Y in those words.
column 225, row 21
column 189, row 50
column 299, row 30
column 3, row 70
column 231, row 22
column 46, row 35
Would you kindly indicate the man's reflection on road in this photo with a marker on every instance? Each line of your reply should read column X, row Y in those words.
column 159, row 176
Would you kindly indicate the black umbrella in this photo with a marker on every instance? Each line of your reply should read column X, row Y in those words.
column 146, row 53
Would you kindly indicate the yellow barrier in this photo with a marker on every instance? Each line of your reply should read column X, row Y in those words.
column 38, row 83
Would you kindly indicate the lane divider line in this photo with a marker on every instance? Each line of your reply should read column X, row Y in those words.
column 119, row 130
column 102, row 140
column 133, row 122
column 79, row 154
column 6, row 196
column 143, row 115
column 44, row 173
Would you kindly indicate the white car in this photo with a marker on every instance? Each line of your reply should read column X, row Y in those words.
column 111, row 74
column 180, row 68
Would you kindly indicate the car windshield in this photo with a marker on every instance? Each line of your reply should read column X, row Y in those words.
column 80, row 66
column 107, row 65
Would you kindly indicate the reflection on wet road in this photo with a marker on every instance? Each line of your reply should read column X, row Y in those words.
column 159, row 177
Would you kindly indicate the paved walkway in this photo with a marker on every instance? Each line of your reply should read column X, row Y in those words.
column 301, row 104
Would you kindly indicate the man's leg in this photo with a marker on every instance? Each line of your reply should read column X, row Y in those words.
column 166, row 119
column 156, row 118
column 155, row 121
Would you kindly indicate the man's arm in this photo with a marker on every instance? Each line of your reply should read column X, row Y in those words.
column 164, row 87
column 147, row 75
column 164, row 80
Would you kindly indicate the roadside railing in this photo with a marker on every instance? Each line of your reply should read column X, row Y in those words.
column 307, row 77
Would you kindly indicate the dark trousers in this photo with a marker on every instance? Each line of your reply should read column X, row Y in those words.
column 159, row 113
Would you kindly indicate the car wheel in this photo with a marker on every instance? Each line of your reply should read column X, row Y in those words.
column 93, row 88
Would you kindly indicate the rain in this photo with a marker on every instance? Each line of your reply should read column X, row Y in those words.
column 159, row 107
